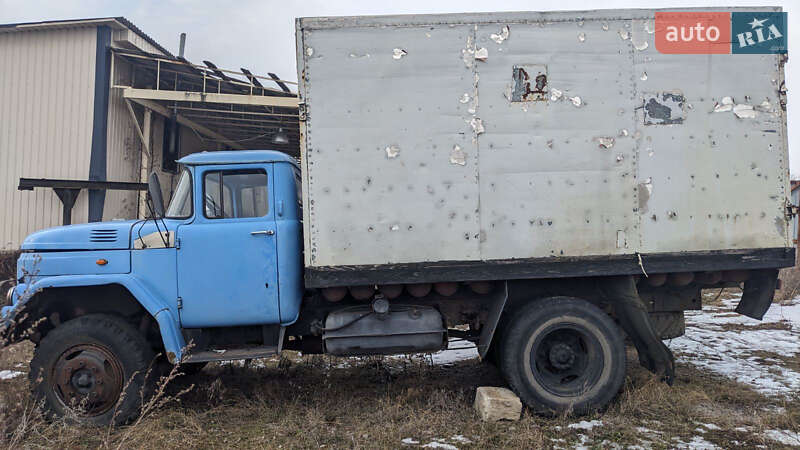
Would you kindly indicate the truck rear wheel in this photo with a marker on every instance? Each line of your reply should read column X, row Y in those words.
column 563, row 354
column 81, row 368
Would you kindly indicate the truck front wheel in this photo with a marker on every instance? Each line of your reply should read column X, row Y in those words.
column 563, row 354
column 81, row 368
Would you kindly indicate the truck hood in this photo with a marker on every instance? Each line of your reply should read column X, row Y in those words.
column 87, row 236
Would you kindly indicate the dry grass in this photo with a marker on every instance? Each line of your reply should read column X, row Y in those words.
column 307, row 402
column 790, row 278
column 8, row 264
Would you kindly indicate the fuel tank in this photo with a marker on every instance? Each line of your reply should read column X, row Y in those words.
column 359, row 330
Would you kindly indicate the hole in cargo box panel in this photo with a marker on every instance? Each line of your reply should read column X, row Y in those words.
column 664, row 108
column 529, row 83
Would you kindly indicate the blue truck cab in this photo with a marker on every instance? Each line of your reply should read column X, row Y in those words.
column 226, row 253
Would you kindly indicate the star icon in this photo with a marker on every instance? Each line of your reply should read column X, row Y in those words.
column 757, row 23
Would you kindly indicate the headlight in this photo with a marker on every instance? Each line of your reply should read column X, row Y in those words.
column 9, row 296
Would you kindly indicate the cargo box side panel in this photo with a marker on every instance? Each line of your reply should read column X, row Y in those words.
column 557, row 157
column 391, row 169
column 712, row 169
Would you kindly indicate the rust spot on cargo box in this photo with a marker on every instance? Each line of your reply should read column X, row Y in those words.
column 529, row 83
column 645, row 190
column 664, row 108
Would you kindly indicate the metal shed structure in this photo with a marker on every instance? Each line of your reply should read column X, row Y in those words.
column 91, row 106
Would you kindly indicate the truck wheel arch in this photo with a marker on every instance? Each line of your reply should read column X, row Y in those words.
column 33, row 307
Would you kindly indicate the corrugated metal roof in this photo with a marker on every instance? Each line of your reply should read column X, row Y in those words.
column 115, row 22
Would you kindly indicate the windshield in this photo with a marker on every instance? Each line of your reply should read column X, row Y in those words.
column 181, row 205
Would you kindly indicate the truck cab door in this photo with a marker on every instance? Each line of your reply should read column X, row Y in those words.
column 227, row 261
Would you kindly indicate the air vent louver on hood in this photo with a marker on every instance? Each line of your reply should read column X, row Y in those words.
column 103, row 235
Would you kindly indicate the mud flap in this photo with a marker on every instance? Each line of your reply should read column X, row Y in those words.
column 622, row 294
column 487, row 333
column 759, row 290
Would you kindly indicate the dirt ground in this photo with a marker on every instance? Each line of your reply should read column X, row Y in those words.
column 405, row 402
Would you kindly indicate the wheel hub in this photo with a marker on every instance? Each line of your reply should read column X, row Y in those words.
column 88, row 378
column 83, row 381
column 562, row 356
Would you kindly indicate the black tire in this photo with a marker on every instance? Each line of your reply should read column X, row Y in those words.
column 89, row 361
column 563, row 354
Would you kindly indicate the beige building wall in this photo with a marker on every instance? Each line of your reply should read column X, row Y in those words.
column 46, row 108
column 124, row 149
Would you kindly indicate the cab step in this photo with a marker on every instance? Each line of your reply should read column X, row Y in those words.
column 231, row 354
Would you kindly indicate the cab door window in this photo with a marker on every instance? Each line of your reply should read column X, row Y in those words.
column 235, row 194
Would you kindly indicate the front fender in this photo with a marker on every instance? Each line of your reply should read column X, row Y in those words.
column 157, row 307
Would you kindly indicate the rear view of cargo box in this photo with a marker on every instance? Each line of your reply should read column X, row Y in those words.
column 479, row 146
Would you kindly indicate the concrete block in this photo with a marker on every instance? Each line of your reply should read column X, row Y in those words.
column 496, row 403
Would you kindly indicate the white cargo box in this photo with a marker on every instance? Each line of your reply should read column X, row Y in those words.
column 523, row 145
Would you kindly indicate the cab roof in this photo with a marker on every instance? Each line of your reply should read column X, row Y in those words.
column 236, row 157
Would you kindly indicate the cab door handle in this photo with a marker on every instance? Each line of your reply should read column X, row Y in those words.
column 267, row 232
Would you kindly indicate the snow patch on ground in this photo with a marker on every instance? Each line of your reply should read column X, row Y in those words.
column 435, row 444
column 712, row 344
column 786, row 437
column 439, row 442
column 458, row 350
column 585, row 425
column 10, row 374
column 460, row 438
column 697, row 443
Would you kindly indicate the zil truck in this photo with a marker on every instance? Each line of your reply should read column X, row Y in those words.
column 548, row 186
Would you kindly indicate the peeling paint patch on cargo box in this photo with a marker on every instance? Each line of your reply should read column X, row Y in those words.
column 780, row 225
column 392, row 151
column 477, row 125
column 605, row 141
column 724, row 105
column 664, row 108
column 499, row 38
column 639, row 34
column 645, row 190
column 457, row 156
column 744, row 111
column 765, row 106
column 622, row 240
column 398, row 53
column 482, row 54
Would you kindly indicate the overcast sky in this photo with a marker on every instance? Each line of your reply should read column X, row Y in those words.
column 259, row 35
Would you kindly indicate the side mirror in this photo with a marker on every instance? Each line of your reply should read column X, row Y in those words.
column 154, row 193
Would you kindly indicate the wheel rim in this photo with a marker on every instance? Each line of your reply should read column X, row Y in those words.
column 566, row 360
column 87, row 379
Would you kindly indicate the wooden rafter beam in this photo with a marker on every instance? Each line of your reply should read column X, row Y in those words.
column 231, row 99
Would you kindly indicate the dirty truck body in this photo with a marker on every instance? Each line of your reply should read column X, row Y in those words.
column 474, row 176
